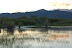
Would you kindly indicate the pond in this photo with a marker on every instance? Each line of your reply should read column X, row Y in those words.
column 36, row 38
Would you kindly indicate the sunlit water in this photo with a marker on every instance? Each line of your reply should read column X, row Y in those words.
column 36, row 38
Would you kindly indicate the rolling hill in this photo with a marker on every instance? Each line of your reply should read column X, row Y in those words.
column 50, row 14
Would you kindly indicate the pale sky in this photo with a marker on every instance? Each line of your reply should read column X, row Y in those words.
column 33, row 5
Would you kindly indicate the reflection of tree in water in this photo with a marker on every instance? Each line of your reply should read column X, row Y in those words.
column 33, row 29
column 21, row 30
column 11, row 31
column 43, row 29
column 61, row 29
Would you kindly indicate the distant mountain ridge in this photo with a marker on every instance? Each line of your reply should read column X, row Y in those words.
column 61, row 14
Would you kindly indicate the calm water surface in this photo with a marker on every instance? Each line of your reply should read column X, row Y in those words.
column 36, row 38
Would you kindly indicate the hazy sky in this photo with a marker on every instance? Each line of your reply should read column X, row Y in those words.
column 32, row 5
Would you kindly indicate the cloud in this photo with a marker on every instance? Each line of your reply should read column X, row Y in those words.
column 53, row 3
column 63, row 4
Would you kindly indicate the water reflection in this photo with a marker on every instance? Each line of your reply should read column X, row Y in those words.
column 36, row 38
column 11, row 31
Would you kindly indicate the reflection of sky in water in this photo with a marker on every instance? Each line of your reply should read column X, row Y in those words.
column 36, row 38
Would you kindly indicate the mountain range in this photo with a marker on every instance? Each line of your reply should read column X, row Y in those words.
column 61, row 14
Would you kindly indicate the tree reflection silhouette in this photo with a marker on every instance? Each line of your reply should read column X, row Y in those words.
column 11, row 31
column 43, row 29
column 21, row 30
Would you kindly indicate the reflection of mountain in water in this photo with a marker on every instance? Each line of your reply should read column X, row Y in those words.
column 36, row 38
column 36, row 32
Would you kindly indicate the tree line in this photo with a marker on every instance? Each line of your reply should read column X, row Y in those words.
column 33, row 21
